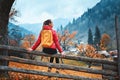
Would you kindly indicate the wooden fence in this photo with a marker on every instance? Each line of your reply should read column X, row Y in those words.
column 109, row 68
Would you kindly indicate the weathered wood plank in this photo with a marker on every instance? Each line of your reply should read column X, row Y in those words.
column 44, row 73
column 109, row 67
column 61, row 66
column 78, row 58
column 109, row 78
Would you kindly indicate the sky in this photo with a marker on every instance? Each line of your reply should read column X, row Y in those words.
column 37, row 11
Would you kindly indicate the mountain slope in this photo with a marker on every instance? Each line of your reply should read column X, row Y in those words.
column 17, row 32
column 101, row 15
column 36, row 27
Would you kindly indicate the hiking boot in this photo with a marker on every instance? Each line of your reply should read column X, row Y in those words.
column 49, row 69
column 57, row 71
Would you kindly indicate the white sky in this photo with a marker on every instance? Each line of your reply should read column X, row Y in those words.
column 36, row 11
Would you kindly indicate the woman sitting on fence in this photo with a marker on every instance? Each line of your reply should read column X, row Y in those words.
column 48, row 39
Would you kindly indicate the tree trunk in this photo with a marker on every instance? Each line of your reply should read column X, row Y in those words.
column 5, row 7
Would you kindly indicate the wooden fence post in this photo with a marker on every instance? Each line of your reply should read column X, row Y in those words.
column 118, row 44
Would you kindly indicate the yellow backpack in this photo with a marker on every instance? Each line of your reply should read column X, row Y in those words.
column 46, row 38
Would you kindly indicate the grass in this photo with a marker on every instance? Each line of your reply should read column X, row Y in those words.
column 69, row 62
column 73, row 62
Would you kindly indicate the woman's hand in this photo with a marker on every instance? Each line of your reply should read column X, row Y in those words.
column 29, row 49
column 63, row 54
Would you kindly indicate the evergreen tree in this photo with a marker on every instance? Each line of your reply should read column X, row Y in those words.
column 61, row 29
column 97, row 38
column 74, row 22
column 90, row 37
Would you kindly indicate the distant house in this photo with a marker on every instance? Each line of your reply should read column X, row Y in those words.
column 105, row 53
column 113, row 53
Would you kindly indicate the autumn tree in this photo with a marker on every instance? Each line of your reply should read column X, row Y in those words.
column 13, row 13
column 81, row 48
column 89, row 50
column 104, row 41
column 5, row 7
column 27, row 42
column 92, row 53
column 66, row 39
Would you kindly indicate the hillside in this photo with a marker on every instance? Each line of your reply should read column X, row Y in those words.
column 101, row 15
column 36, row 27
column 16, row 31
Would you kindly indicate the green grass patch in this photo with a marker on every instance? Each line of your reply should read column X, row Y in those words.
column 73, row 62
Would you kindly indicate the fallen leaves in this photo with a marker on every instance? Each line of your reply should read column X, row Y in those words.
column 22, row 76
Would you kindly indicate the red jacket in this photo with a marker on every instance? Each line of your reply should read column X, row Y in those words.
column 55, row 44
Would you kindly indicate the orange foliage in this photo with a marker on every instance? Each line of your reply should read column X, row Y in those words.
column 91, row 52
column 90, row 49
column 25, row 44
column 104, row 41
column 28, row 41
column 30, row 38
column 63, row 38
column 22, row 76
column 81, row 47
column 70, row 43
column 66, row 37
column 72, row 35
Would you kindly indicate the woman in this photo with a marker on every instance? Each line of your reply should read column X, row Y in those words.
column 52, row 49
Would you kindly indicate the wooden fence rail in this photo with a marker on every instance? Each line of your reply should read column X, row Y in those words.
column 60, row 66
column 6, row 68
column 110, row 67
column 78, row 58
column 110, row 73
